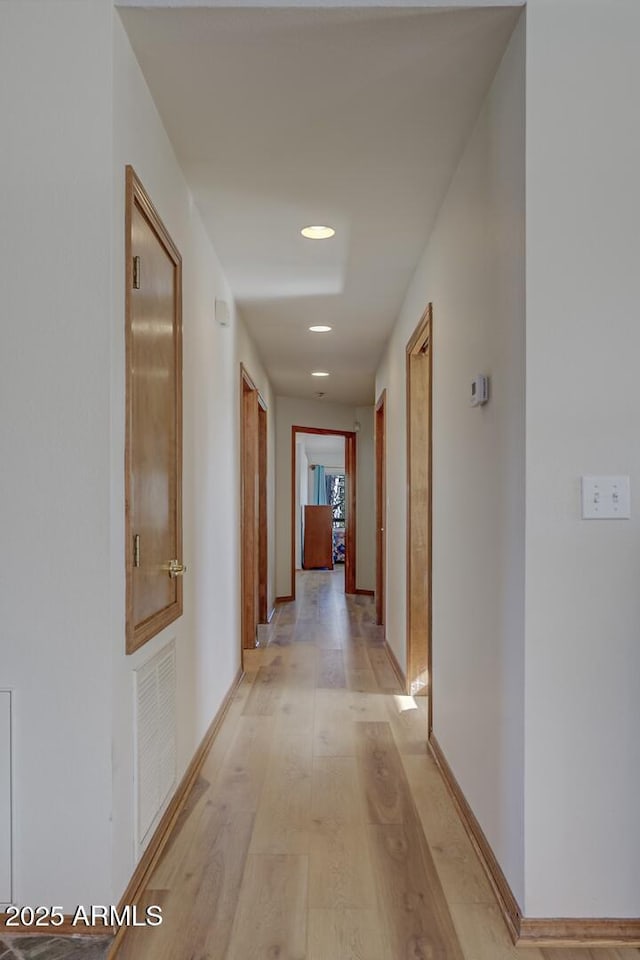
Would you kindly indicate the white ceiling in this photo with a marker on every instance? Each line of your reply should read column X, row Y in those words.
column 352, row 117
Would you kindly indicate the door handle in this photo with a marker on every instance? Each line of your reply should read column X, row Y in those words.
column 175, row 569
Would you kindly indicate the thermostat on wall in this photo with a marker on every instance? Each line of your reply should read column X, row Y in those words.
column 222, row 313
column 479, row 391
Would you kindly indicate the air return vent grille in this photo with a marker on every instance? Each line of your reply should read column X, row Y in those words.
column 155, row 760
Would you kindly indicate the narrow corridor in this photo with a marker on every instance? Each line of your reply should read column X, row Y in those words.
column 319, row 827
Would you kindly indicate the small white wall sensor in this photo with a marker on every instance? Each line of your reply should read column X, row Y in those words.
column 222, row 313
column 479, row 391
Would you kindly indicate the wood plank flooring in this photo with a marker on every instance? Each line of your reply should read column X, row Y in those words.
column 320, row 828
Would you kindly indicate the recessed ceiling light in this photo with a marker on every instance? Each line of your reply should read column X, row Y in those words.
column 317, row 232
column 320, row 329
column 319, row 373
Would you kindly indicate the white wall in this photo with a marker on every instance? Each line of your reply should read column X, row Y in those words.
column 473, row 272
column 583, row 410
column 292, row 411
column 330, row 461
column 208, row 635
column 55, row 183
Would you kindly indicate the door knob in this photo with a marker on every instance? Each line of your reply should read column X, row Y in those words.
column 175, row 568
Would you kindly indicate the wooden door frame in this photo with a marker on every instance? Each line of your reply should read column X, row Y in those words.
column 350, row 522
column 253, row 515
column 263, row 515
column 419, row 515
column 381, row 505
column 135, row 194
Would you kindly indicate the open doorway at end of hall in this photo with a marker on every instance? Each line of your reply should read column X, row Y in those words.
column 323, row 502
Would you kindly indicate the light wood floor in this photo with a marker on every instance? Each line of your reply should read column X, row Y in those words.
column 319, row 828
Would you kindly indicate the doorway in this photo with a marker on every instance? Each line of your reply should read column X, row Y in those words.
column 419, row 508
column 263, row 548
column 253, row 502
column 341, row 523
column 381, row 507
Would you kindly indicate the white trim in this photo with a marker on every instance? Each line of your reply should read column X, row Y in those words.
column 436, row 4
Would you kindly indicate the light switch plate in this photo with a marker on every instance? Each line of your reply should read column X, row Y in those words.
column 606, row 498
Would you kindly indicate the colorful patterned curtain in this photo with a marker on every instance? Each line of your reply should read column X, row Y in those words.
column 335, row 496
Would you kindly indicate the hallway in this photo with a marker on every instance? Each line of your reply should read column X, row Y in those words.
column 319, row 828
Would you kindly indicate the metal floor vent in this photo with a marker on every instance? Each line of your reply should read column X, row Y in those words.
column 155, row 737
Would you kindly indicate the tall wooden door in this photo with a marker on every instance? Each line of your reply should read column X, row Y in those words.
column 381, row 504
column 350, row 459
column 317, row 550
column 153, row 456
column 419, row 574
column 263, row 544
column 250, row 509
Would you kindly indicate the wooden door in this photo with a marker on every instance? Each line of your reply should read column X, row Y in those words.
column 153, row 455
column 381, row 504
column 263, row 548
column 419, row 574
column 250, row 507
column 318, row 537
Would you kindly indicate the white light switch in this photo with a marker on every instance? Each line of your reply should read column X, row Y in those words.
column 606, row 498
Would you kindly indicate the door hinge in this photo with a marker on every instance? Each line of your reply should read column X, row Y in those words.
column 136, row 273
column 136, row 550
